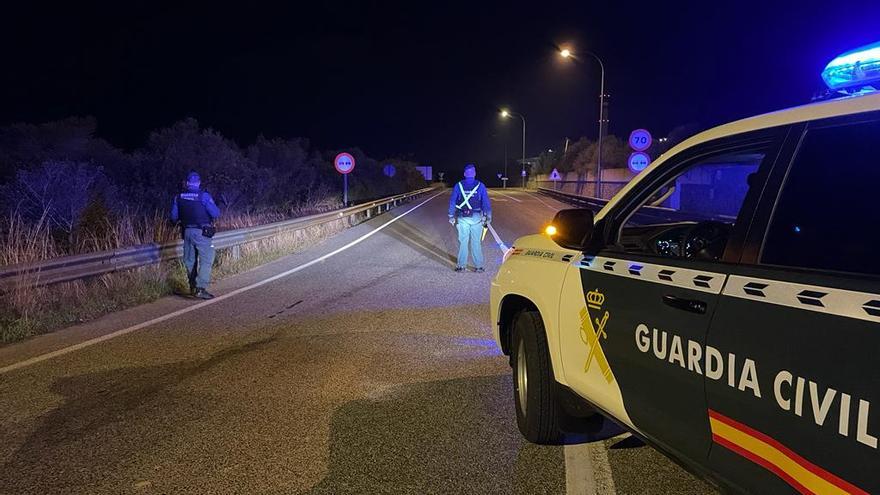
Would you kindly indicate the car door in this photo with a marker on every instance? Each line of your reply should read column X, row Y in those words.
column 635, row 311
column 804, row 307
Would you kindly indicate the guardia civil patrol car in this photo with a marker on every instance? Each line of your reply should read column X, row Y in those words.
column 725, row 305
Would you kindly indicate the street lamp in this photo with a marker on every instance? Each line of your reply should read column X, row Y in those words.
column 507, row 114
column 566, row 53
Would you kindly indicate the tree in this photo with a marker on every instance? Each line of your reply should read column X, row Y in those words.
column 174, row 151
column 56, row 192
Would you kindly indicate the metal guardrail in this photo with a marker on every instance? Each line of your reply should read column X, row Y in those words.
column 68, row 268
column 575, row 199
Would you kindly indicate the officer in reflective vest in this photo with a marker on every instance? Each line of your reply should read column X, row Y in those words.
column 196, row 212
column 469, row 212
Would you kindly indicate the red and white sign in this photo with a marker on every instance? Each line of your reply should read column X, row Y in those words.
column 344, row 163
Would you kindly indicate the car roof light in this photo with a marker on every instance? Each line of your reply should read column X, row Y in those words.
column 854, row 69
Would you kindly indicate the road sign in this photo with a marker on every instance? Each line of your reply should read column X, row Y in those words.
column 523, row 173
column 500, row 175
column 638, row 161
column 344, row 163
column 554, row 175
column 389, row 170
column 640, row 140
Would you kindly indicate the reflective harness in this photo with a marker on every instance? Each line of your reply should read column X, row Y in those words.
column 465, row 209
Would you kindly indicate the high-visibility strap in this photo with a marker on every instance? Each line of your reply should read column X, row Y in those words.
column 467, row 196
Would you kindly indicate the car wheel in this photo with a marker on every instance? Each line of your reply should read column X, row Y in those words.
column 537, row 408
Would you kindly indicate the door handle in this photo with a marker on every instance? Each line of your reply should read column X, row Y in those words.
column 691, row 305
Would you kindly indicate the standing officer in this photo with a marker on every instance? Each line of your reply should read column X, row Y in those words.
column 196, row 211
column 470, row 211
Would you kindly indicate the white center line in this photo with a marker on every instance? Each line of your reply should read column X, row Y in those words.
column 189, row 309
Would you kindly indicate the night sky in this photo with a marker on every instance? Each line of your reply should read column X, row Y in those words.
column 423, row 79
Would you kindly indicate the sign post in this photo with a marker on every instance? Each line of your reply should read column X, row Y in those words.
column 554, row 176
column 344, row 164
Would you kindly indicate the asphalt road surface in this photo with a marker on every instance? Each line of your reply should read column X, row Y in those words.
column 363, row 365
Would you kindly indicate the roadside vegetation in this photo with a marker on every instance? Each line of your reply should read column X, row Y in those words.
column 64, row 191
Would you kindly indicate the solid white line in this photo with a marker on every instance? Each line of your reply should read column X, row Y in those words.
column 538, row 197
column 579, row 478
column 587, row 470
column 188, row 309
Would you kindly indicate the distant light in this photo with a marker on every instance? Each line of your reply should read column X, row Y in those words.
column 505, row 113
column 854, row 68
column 797, row 229
column 550, row 230
column 565, row 53
column 549, row 150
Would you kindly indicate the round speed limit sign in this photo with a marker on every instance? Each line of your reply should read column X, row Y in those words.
column 640, row 140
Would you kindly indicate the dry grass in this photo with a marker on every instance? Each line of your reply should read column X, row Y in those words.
column 26, row 310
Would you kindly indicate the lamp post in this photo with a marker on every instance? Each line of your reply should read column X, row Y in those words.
column 507, row 114
column 566, row 53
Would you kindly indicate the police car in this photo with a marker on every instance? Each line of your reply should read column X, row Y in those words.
column 725, row 305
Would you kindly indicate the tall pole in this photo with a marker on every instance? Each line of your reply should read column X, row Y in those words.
column 523, row 173
column 601, row 125
column 505, row 160
column 506, row 114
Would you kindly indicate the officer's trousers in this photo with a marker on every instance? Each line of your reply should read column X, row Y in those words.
column 198, row 257
column 470, row 232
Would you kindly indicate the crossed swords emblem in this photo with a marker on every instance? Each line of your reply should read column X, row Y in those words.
column 592, row 333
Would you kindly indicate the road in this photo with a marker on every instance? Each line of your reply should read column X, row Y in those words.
column 361, row 365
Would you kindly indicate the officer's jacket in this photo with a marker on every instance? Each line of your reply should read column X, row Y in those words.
column 194, row 208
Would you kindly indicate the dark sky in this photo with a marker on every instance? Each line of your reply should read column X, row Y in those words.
column 419, row 78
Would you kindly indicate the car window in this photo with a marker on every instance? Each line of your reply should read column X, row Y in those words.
column 826, row 216
column 693, row 214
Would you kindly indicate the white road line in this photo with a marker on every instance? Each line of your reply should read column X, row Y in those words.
column 587, row 471
column 579, row 479
column 508, row 196
column 188, row 309
column 538, row 197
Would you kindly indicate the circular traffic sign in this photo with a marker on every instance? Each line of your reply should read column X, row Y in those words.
column 640, row 140
column 638, row 161
column 344, row 163
column 389, row 170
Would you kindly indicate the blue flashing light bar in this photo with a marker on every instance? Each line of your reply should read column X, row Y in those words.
column 854, row 69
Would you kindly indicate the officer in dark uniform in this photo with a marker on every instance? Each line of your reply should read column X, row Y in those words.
column 470, row 211
column 196, row 212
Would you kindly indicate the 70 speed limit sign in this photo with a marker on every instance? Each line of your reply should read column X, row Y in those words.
column 640, row 140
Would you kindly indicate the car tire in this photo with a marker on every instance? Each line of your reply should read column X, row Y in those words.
column 538, row 410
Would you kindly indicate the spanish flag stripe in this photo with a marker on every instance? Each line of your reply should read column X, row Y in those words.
column 763, row 463
column 782, row 448
column 807, row 475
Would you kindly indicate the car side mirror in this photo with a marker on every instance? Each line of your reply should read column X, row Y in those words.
column 572, row 228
